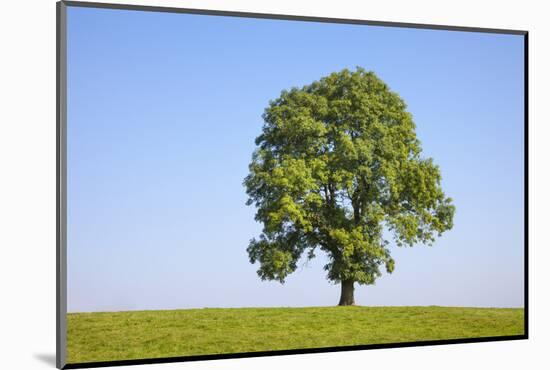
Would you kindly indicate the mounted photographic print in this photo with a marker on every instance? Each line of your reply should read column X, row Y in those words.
column 237, row 184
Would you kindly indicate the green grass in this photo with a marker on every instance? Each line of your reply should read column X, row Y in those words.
column 109, row 336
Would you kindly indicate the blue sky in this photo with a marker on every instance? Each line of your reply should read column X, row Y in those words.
column 163, row 110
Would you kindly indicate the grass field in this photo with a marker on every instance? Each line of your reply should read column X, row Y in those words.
column 110, row 336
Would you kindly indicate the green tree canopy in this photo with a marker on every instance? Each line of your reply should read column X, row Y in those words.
column 337, row 163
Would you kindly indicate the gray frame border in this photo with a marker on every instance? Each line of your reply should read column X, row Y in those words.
column 289, row 17
column 61, row 185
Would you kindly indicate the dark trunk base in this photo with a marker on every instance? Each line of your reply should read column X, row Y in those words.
column 346, row 297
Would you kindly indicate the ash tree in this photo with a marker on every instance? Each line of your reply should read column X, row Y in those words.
column 338, row 167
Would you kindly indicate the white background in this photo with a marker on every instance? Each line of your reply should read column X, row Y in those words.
column 27, row 182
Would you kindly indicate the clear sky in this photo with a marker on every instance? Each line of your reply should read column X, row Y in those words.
column 163, row 110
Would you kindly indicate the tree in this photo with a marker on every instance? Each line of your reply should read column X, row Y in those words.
column 337, row 168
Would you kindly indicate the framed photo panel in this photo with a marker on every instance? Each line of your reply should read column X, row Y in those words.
column 234, row 184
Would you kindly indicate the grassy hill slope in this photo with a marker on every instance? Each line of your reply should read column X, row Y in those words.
column 109, row 336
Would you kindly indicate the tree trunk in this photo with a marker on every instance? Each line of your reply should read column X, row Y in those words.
column 346, row 297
